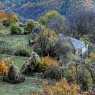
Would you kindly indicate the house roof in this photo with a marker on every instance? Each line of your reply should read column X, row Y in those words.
column 77, row 43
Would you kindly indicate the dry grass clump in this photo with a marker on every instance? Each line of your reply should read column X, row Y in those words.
column 61, row 88
column 92, row 56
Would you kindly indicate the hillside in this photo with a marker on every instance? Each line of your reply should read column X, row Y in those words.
column 36, row 8
column 5, row 16
column 47, row 47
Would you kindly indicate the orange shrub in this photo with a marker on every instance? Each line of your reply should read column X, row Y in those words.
column 62, row 88
column 49, row 61
column 4, row 67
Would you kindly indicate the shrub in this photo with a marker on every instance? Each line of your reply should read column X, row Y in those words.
column 79, row 74
column 54, row 72
column 55, row 21
column 84, row 78
column 29, row 27
column 49, row 61
column 70, row 72
column 15, row 29
column 60, row 88
column 33, row 64
column 22, row 52
column 46, row 41
column 6, row 23
column 92, row 56
column 4, row 67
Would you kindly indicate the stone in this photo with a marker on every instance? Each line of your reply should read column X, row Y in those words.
column 14, row 76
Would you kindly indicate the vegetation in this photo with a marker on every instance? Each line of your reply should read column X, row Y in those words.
column 50, row 61
column 55, row 22
column 37, row 49
column 79, row 74
column 33, row 64
column 15, row 30
column 22, row 52
column 29, row 27
column 46, row 41
column 62, row 88
column 54, row 73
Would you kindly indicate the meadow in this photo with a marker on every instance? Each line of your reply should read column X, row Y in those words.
column 13, row 43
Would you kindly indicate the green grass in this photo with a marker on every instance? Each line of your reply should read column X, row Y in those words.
column 4, row 30
column 20, row 89
column 17, row 60
column 17, row 42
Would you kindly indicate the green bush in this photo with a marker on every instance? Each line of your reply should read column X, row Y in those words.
column 55, row 72
column 46, row 42
column 33, row 65
column 84, row 78
column 16, row 30
column 55, row 21
column 29, row 27
column 79, row 74
column 22, row 52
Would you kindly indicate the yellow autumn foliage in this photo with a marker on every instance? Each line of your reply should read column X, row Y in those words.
column 4, row 67
column 61, row 88
column 49, row 61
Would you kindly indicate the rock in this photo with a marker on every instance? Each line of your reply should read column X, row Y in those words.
column 14, row 76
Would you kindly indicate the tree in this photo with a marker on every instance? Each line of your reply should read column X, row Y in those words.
column 46, row 41
column 83, row 24
column 29, row 26
column 55, row 21
column 15, row 29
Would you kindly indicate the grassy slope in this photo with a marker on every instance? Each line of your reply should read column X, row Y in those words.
column 16, row 59
column 16, row 42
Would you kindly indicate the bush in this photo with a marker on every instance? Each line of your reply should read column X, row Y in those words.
column 46, row 41
column 54, row 72
column 4, row 67
column 15, row 30
column 6, row 23
column 29, row 27
column 55, row 22
column 22, row 52
column 84, row 78
column 50, row 61
column 79, row 74
column 60, row 88
column 33, row 65
column 70, row 72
